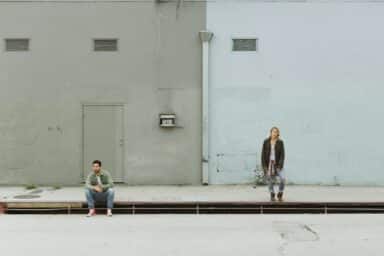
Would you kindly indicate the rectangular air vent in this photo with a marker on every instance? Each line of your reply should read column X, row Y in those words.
column 16, row 44
column 102, row 45
column 244, row 44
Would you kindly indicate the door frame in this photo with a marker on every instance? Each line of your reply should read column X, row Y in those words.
column 123, row 106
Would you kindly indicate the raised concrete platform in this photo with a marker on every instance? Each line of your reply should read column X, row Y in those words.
column 199, row 199
column 219, row 193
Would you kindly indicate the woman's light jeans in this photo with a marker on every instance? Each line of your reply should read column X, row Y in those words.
column 272, row 179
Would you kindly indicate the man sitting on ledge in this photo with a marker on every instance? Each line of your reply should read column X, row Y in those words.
column 99, row 187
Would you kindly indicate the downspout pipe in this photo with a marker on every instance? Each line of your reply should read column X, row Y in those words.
column 205, row 37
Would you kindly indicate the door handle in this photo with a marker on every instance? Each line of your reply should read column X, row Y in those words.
column 121, row 142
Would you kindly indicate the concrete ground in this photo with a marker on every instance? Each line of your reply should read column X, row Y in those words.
column 184, row 235
column 239, row 193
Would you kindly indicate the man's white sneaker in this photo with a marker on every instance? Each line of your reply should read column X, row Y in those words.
column 92, row 212
column 109, row 212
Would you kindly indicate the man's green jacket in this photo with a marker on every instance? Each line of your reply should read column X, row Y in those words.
column 105, row 178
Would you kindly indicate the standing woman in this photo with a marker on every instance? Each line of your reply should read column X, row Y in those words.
column 272, row 160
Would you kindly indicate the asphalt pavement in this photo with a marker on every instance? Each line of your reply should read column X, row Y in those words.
column 198, row 235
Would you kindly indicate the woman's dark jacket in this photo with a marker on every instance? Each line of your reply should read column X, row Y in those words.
column 279, row 154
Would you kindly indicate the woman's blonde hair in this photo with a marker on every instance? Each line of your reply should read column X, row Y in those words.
column 274, row 128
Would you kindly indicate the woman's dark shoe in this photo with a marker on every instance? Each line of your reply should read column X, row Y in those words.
column 273, row 197
column 280, row 196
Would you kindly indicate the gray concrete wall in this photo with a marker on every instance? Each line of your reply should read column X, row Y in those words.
column 156, row 69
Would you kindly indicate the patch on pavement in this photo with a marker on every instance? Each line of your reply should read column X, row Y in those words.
column 36, row 191
column 28, row 196
column 295, row 232
column 292, row 232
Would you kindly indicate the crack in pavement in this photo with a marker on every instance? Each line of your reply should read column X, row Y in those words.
column 309, row 229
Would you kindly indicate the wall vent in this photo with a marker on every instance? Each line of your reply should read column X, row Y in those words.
column 244, row 44
column 102, row 45
column 16, row 44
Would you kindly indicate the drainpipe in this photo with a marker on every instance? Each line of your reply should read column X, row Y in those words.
column 205, row 37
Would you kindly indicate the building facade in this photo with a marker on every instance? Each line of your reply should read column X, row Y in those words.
column 131, row 83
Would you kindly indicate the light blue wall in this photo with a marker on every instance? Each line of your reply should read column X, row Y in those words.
column 318, row 75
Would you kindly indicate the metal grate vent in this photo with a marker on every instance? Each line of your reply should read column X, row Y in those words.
column 16, row 44
column 244, row 45
column 101, row 45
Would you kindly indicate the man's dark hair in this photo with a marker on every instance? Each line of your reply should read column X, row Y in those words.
column 96, row 162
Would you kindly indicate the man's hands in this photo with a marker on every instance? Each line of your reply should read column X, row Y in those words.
column 98, row 188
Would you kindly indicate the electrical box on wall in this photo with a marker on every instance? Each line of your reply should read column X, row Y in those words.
column 167, row 120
